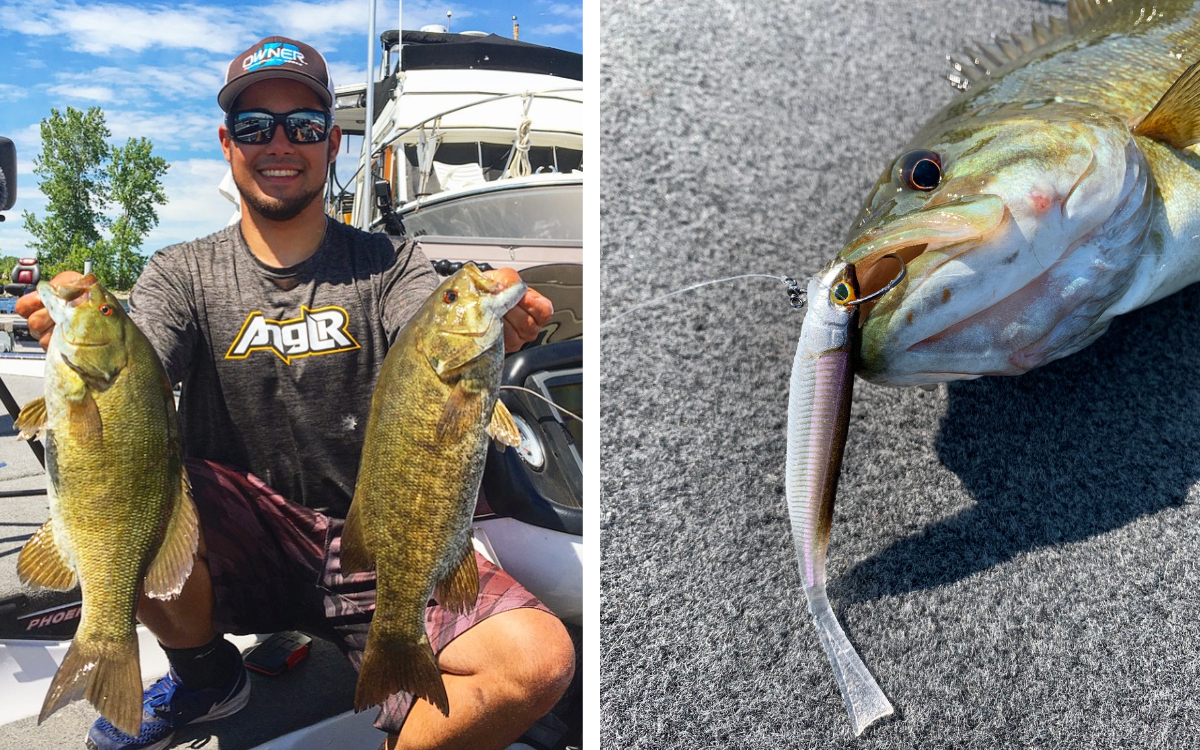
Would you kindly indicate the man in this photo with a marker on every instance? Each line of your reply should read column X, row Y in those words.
column 273, row 415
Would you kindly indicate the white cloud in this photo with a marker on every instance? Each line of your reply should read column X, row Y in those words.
column 28, row 140
column 13, row 238
column 346, row 73
column 555, row 29
column 566, row 10
column 340, row 27
column 90, row 93
column 167, row 129
column 194, row 207
column 103, row 27
column 11, row 93
column 151, row 83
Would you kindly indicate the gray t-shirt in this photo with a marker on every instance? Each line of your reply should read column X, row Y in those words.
column 278, row 364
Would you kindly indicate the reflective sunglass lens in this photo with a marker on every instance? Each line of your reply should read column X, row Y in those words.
column 301, row 126
column 250, row 127
column 306, row 127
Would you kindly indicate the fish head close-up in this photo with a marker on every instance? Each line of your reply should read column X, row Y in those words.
column 89, row 324
column 463, row 318
column 1019, row 226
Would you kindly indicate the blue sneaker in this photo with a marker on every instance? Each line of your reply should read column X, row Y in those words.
column 168, row 705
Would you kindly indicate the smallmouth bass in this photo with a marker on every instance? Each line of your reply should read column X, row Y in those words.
column 1059, row 191
column 122, row 520
column 433, row 411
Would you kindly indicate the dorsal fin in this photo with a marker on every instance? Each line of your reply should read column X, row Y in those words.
column 1010, row 49
column 1082, row 12
column 1041, row 34
column 1025, row 42
column 1005, row 50
column 1175, row 120
column 1078, row 11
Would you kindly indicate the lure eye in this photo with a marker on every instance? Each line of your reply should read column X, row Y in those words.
column 841, row 293
column 920, row 170
column 106, row 310
column 449, row 296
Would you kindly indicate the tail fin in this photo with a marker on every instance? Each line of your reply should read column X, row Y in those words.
column 108, row 675
column 392, row 664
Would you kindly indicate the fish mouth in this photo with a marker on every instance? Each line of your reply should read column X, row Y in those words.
column 966, row 261
column 76, row 289
column 506, row 297
column 925, row 241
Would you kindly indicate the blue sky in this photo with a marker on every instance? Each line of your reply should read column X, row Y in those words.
column 155, row 70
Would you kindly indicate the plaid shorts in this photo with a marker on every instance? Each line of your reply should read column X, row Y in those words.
column 275, row 565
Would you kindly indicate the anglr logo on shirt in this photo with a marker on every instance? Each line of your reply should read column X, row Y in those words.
column 275, row 53
column 321, row 331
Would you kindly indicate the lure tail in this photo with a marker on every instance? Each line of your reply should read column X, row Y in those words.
column 865, row 701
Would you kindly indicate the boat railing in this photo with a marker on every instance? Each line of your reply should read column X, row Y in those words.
column 357, row 177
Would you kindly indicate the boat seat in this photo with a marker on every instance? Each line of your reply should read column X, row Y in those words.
column 25, row 277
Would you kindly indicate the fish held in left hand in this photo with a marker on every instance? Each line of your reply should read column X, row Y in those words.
column 433, row 411
column 122, row 520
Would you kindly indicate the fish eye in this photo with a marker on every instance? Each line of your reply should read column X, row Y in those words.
column 106, row 310
column 920, row 170
column 449, row 296
column 841, row 293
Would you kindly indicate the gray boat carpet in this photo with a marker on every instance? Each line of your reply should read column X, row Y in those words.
column 1016, row 559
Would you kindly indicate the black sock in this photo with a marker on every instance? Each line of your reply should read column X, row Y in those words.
column 209, row 666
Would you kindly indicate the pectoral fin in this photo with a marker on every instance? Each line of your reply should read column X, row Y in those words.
column 460, row 413
column 173, row 564
column 458, row 591
column 83, row 416
column 502, row 428
column 41, row 563
column 31, row 422
column 1175, row 120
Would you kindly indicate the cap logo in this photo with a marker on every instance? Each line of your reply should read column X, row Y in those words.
column 269, row 55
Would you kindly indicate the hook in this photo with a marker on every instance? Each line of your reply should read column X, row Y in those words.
column 891, row 285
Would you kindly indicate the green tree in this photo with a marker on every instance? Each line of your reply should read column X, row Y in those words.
column 101, row 198
column 7, row 264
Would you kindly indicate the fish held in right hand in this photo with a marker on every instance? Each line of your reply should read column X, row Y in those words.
column 122, row 520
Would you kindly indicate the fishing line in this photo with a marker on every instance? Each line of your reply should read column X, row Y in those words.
column 535, row 394
column 796, row 294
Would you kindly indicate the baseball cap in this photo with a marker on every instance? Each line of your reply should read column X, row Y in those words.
column 277, row 57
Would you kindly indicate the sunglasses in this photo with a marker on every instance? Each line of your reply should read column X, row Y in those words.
column 256, row 126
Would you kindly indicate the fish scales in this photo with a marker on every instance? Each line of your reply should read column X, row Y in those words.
column 121, row 515
column 434, row 406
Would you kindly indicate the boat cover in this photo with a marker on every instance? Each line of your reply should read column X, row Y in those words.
column 432, row 51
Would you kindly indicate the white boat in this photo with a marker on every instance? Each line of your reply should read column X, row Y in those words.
column 477, row 147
